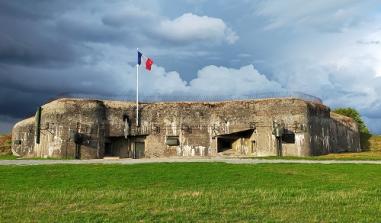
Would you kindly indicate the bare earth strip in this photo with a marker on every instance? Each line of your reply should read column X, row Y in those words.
column 182, row 160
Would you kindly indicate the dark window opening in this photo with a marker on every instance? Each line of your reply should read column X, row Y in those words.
column 172, row 141
column 108, row 149
column 288, row 138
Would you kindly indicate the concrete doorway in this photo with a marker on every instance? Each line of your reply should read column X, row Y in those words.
column 116, row 147
column 224, row 143
column 235, row 143
column 139, row 150
column 138, row 147
column 111, row 150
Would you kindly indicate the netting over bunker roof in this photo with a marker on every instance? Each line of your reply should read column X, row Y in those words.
column 197, row 98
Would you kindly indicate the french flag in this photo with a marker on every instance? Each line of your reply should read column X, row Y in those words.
column 149, row 61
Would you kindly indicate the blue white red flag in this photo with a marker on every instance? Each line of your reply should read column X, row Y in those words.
column 149, row 61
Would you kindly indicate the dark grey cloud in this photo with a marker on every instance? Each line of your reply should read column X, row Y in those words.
column 19, row 104
column 27, row 10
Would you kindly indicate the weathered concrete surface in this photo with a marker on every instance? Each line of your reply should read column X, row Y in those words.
column 331, row 132
column 183, row 160
column 202, row 129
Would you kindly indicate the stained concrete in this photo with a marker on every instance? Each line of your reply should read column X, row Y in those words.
column 248, row 128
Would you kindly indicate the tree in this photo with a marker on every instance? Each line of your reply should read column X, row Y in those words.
column 355, row 115
column 363, row 129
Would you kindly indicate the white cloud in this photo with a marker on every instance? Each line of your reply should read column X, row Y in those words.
column 223, row 81
column 187, row 28
column 159, row 81
column 190, row 27
column 210, row 81
column 127, row 23
column 342, row 78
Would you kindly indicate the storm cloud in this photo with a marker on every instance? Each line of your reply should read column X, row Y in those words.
column 54, row 48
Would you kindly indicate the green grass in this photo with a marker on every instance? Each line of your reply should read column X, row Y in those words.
column 367, row 155
column 8, row 157
column 208, row 192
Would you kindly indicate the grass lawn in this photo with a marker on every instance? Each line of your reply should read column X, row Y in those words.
column 191, row 192
column 366, row 155
column 8, row 157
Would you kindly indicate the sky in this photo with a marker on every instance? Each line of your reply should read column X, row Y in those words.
column 329, row 49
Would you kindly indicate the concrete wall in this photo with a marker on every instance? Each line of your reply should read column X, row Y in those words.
column 331, row 132
column 344, row 134
column 59, row 120
column 23, row 133
column 198, row 126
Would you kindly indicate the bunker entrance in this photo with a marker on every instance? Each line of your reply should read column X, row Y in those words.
column 116, row 147
column 226, row 143
column 138, row 150
column 132, row 147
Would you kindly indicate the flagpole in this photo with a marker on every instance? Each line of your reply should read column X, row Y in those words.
column 137, row 93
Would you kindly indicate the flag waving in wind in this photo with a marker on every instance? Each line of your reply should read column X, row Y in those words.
column 149, row 61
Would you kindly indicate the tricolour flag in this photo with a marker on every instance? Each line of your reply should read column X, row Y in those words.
column 149, row 61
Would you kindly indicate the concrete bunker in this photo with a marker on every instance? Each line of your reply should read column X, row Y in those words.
column 244, row 127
